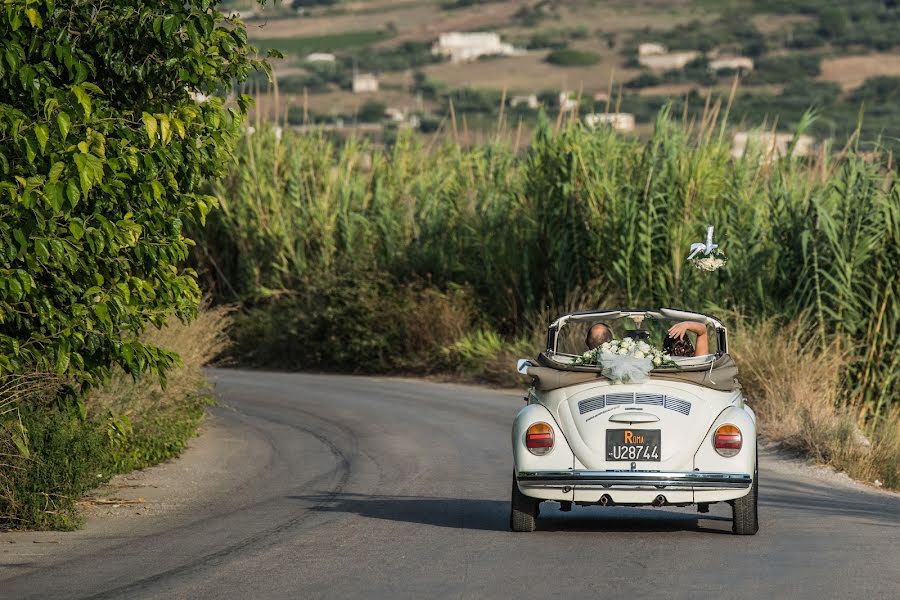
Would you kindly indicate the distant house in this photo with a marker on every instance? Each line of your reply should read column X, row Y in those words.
column 733, row 63
column 650, row 49
column 668, row 61
column 619, row 121
column 325, row 57
column 198, row 97
column 601, row 97
column 243, row 15
column 771, row 146
column 567, row 101
column 365, row 83
column 463, row 47
column 531, row 101
column 394, row 114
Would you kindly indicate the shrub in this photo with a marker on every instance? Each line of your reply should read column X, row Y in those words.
column 372, row 111
column 122, row 425
column 355, row 320
column 787, row 68
column 102, row 156
column 568, row 57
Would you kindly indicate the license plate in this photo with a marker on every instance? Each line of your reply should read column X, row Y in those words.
column 632, row 444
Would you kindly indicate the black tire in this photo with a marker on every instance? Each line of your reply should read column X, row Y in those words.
column 745, row 515
column 523, row 510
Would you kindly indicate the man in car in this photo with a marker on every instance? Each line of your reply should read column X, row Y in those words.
column 598, row 334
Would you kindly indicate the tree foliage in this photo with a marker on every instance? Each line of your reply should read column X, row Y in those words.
column 106, row 137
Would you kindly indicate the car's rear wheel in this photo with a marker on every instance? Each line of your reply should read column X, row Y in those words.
column 523, row 510
column 745, row 516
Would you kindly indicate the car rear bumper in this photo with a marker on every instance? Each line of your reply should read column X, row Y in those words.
column 633, row 480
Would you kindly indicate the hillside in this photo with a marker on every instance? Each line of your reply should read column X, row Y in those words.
column 803, row 54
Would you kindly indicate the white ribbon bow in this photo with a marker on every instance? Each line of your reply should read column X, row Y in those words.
column 706, row 248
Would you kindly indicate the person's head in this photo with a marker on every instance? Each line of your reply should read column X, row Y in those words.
column 598, row 334
column 678, row 346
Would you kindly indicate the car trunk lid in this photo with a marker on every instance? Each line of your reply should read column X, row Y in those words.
column 649, row 414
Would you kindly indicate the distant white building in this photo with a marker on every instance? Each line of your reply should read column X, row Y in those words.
column 650, row 49
column 394, row 114
column 365, row 83
column 531, row 101
column 567, row 101
column 668, row 61
column 771, row 146
column 601, row 97
column 734, row 63
column 619, row 121
column 463, row 47
column 325, row 57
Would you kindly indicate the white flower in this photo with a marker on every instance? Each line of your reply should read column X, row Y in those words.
column 622, row 351
column 639, row 354
column 709, row 263
column 657, row 361
column 643, row 346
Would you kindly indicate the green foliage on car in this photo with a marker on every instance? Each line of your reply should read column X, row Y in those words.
column 105, row 143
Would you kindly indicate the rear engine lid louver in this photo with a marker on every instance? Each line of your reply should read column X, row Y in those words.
column 669, row 402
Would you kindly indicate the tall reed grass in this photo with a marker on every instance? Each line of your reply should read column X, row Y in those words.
column 576, row 209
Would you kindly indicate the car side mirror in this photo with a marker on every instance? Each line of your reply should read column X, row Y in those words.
column 522, row 365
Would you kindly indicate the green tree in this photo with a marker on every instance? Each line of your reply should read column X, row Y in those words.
column 110, row 123
column 372, row 111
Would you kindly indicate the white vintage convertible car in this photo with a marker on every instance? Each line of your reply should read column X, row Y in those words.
column 684, row 436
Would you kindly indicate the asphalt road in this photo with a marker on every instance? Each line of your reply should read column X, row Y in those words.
column 358, row 487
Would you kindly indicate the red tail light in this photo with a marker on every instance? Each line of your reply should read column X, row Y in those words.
column 539, row 439
column 728, row 440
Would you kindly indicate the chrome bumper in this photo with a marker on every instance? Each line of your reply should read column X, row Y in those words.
column 635, row 480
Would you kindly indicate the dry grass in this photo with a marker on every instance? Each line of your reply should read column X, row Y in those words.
column 529, row 73
column 794, row 386
column 197, row 343
column 852, row 71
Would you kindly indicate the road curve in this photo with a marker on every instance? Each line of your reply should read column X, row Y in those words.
column 386, row 488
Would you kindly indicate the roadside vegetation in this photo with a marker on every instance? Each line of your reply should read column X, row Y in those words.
column 104, row 149
column 53, row 453
column 437, row 258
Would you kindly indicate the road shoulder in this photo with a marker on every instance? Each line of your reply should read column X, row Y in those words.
column 155, row 499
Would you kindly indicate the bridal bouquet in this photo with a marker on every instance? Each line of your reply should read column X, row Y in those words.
column 625, row 361
column 711, row 258
column 713, row 262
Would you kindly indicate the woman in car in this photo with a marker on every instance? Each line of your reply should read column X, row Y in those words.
column 678, row 343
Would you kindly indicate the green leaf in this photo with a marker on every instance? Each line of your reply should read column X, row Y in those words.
column 150, row 126
column 56, row 195
column 42, row 133
column 72, row 192
column 90, row 170
column 34, row 17
column 21, row 442
column 15, row 289
column 40, row 249
column 64, row 122
column 62, row 360
column 83, row 98
column 165, row 130
column 76, row 229
column 55, row 171
column 30, row 152
column 169, row 24
column 102, row 312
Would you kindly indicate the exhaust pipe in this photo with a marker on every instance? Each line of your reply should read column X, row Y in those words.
column 659, row 500
column 605, row 500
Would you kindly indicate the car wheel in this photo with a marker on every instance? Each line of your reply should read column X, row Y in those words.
column 745, row 516
column 523, row 510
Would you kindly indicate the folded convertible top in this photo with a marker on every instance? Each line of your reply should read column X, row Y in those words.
column 720, row 375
